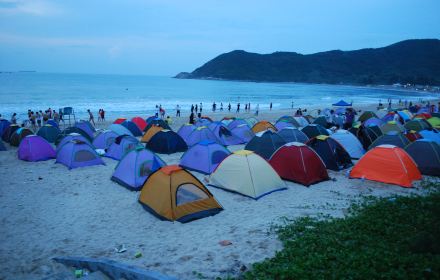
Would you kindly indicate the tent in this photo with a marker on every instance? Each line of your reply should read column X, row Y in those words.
column 204, row 157
column 246, row 173
column 432, row 135
column 426, row 155
column 135, row 167
column 120, row 129
column 368, row 135
column 388, row 117
column 301, row 121
column 167, row 142
column 150, row 133
column 290, row 134
column 86, row 127
column 199, row 134
column 173, row 194
column 156, row 122
column 243, row 132
column 251, row 121
column 299, row 163
column 262, row 126
column 224, row 135
column 265, row 143
column 122, row 145
column 140, row 122
column 417, row 125
column 282, row 124
column 373, row 122
column 35, row 148
column 134, row 129
column 227, row 120
column 342, row 103
column 202, row 122
column 289, row 119
column 350, row 143
column 391, row 126
column 7, row 133
column 52, row 122
column 105, row 139
column 321, row 120
column 331, row 152
column 423, row 116
column 413, row 135
column 405, row 115
column 72, row 137
column 236, row 123
column 313, row 130
column 70, row 130
column 150, row 119
column 387, row 164
column 119, row 120
column 392, row 138
column 49, row 132
column 3, row 125
column 19, row 135
column 76, row 154
column 2, row 146
column 185, row 130
column 434, row 122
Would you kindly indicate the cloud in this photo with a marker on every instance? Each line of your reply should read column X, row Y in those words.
column 28, row 7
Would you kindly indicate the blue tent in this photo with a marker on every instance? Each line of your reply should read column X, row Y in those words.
column 167, row 142
column 134, row 129
column 342, row 103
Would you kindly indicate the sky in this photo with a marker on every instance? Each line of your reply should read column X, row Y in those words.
column 164, row 37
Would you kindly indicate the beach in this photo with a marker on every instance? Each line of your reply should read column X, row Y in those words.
column 48, row 211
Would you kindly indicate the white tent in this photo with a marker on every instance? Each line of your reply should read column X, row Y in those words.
column 246, row 173
column 350, row 143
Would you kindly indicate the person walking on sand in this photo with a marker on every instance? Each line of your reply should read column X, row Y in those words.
column 38, row 119
column 229, row 107
column 102, row 115
column 192, row 108
column 245, row 107
column 196, row 108
column 270, row 106
column 99, row 115
column 257, row 109
column 221, row 106
column 238, row 108
column 91, row 119
column 177, row 110
column 200, row 107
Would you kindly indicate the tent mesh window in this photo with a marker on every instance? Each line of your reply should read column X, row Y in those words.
column 187, row 193
column 109, row 141
column 84, row 155
column 217, row 157
column 144, row 168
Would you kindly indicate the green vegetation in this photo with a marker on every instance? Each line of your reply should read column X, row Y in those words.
column 388, row 238
column 411, row 61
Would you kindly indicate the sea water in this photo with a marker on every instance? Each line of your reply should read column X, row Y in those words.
column 124, row 95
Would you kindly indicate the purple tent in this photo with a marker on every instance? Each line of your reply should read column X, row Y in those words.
column 105, row 139
column 202, row 122
column 185, row 130
column 224, row 135
column 135, row 167
column 373, row 122
column 200, row 134
column 76, row 154
column 244, row 132
column 86, row 127
column 123, row 145
column 35, row 148
column 282, row 124
column 204, row 157
column 72, row 137
column 236, row 123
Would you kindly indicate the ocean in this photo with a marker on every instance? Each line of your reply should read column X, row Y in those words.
column 124, row 95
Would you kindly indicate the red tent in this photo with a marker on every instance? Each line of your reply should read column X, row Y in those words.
column 119, row 120
column 140, row 122
column 299, row 163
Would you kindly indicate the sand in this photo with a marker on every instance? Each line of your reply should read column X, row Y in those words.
column 49, row 211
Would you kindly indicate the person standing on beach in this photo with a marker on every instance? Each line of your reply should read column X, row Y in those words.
column 91, row 119
column 99, row 115
column 229, row 107
column 38, row 116
column 238, row 107
column 245, row 107
column 221, row 106
column 200, row 107
column 177, row 110
column 292, row 105
column 192, row 108
column 191, row 118
column 270, row 106
column 196, row 108
column 33, row 121
column 102, row 114
column 257, row 109
column 14, row 118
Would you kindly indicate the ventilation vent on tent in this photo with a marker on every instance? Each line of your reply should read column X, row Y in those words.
column 81, row 156
column 188, row 193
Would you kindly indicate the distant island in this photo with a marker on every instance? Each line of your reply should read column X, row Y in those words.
column 405, row 62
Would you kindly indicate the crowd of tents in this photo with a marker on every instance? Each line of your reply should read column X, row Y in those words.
column 297, row 149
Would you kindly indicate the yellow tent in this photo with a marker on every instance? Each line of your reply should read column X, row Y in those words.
column 172, row 193
column 262, row 126
column 150, row 133
column 246, row 173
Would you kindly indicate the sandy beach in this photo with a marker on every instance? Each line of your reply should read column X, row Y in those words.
column 48, row 211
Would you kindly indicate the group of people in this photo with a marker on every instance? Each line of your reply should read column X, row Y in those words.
column 38, row 118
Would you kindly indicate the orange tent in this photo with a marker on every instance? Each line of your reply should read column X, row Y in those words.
column 150, row 133
column 387, row 164
column 119, row 120
column 172, row 193
column 262, row 126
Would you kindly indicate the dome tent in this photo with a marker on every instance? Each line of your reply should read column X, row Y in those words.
column 204, row 157
column 7, row 133
column 76, row 154
column 134, row 129
column 167, row 142
column 19, row 135
column 185, row 130
column 368, row 135
column 70, row 130
column 135, row 167
column 140, row 122
column 262, row 126
column 243, row 132
column 432, row 135
column 367, row 115
column 199, row 134
column 86, row 127
column 35, row 148
column 236, row 123
column 391, row 126
column 224, row 135
column 392, row 138
column 150, row 133
column 265, row 143
column 313, row 130
column 387, row 164
column 122, row 145
column 157, row 122
column 120, row 129
column 299, row 163
column 289, row 119
column 282, row 124
column 4, row 124
column 71, row 137
column 417, row 125
column 246, row 173
column 331, row 152
column 290, row 134
column 173, row 194
column 350, row 143
column 49, row 132
column 105, row 139
column 426, row 155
